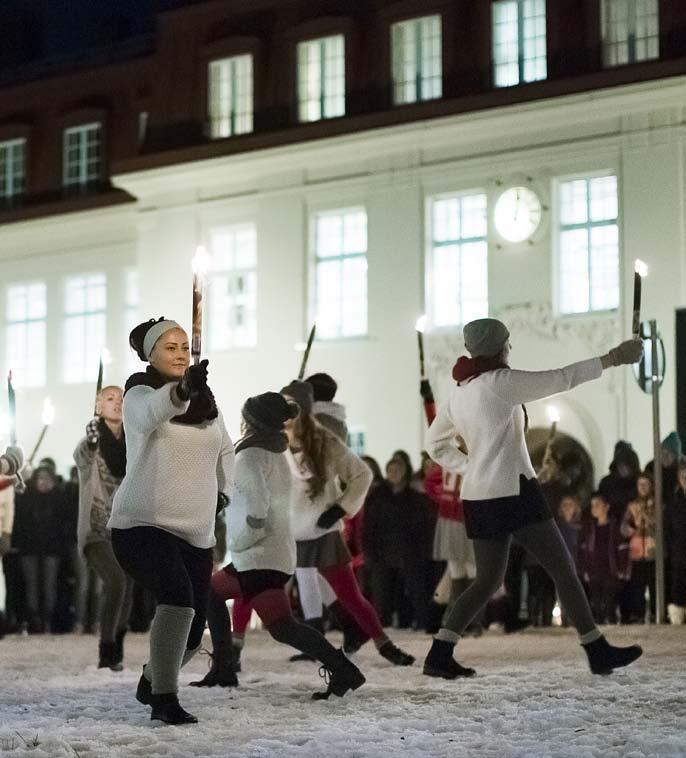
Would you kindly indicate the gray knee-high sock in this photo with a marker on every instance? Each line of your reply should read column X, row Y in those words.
column 168, row 638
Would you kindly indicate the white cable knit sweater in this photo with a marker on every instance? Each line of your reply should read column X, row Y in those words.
column 487, row 413
column 342, row 465
column 258, row 520
column 173, row 471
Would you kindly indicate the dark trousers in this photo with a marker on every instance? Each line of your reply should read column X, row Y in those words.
column 678, row 581
column 603, row 597
column 175, row 572
column 642, row 577
column 541, row 598
column 390, row 586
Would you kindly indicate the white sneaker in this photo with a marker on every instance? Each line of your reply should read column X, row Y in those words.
column 676, row 613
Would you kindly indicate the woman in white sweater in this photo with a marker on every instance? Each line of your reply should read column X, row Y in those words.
column 330, row 482
column 179, row 468
column 263, row 551
column 480, row 431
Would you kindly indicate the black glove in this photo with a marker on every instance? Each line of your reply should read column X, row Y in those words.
column 222, row 502
column 330, row 516
column 425, row 391
column 194, row 380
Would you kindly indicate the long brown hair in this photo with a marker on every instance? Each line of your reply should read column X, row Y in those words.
column 312, row 439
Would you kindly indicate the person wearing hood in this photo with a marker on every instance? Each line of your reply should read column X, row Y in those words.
column 502, row 497
column 179, row 472
column 672, row 455
column 619, row 486
column 100, row 458
column 263, row 551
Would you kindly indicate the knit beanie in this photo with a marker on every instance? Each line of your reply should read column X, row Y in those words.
column 323, row 386
column 485, row 337
column 268, row 412
column 672, row 442
column 302, row 393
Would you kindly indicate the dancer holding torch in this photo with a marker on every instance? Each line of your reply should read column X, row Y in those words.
column 502, row 498
column 179, row 470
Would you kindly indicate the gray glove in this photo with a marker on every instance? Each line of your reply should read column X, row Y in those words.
column 93, row 432
column 627, row 353
column 13, row 460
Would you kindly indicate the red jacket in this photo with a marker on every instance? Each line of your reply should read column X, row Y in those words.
column 443, row 487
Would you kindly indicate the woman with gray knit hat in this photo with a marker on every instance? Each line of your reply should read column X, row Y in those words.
column 320, row 463
column 480, row 431
column 263, row 551
column 179, row 469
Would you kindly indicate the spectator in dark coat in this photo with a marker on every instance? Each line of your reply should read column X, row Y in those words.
column 396, row 537
column 675, row 523
column 672, row 455
column 619, row 486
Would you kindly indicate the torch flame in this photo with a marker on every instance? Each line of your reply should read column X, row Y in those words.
column 641, row 268
column 48, row 412
column 553, row 414
column 201, row 261
column 421, row 324
column 106, row 357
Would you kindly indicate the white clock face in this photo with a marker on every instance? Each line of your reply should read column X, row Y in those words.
column 517, row 214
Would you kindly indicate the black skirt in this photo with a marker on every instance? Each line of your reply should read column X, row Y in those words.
column 256, row 581
column 323, row 552
column 500, row 516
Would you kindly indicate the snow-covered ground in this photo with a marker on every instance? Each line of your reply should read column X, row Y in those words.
column 533, row 696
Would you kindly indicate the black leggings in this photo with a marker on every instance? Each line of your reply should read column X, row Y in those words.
column 175, row 572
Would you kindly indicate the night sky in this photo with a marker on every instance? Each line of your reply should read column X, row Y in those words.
column 63, row 28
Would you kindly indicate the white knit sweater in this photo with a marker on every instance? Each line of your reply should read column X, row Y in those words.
column 258, row 519
column 173, row 471
column 487, row 413
column 342, row 466
column 6, row 509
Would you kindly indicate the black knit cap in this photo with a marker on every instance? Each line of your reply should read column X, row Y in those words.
column 323, row 386
column 268, row 412
column 302, row 393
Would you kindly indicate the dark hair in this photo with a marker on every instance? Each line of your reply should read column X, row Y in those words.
column 137, row 337
column 374, row 466
column 401, row 455
column 599, row 495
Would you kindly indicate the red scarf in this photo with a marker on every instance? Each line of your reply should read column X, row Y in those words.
column 469, row 368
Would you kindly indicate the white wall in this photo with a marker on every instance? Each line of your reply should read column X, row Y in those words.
column 635, row 131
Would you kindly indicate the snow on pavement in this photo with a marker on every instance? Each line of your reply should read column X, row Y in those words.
column 533, row 696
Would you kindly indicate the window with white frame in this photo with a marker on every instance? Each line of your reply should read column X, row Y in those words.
column 630, row 31
column 12, row 168
column 25, row 328
column 519, row 42
column 131, row 311
column 82, row 155
column 232, row 287
column 457, row 279
column 85, row 304
column 231, row 96
column 357, row 440
column 321, row 78
column 588, row 245
column 340, row 276
column 417, row 60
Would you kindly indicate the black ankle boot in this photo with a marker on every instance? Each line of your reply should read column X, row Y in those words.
column 222, row 672
column 342, row 677
column 167, row 708
column 317, row 624
column 107, row 657
column 440, row 662
column 395, row 655
column 603, row 657
column 119, row 646
column 144, row 691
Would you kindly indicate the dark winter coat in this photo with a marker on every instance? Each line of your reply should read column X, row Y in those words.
column 618, row 552
column 397, row 527
column 670, row 479
column 571, row 532
column 618, row 491
column 41, row 523
column 675, row 529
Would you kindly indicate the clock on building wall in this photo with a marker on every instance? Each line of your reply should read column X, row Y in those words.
column 517, row 214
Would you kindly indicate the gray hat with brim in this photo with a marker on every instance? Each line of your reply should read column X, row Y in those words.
column 485, row 337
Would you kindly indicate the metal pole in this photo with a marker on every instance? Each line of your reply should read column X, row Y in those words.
column 657, row 472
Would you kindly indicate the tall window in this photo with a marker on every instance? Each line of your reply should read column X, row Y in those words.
column 82, row 155
column 26, row 314
column 458, row 261
column 231, row 96
column 417, row 60
column 12, row 168
column 131, row 311
column 232, row 287
column 519, row 42
column 321, row 78
column 588, row 269
column 340, row 240
column 630, row 31
column 85, row 303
